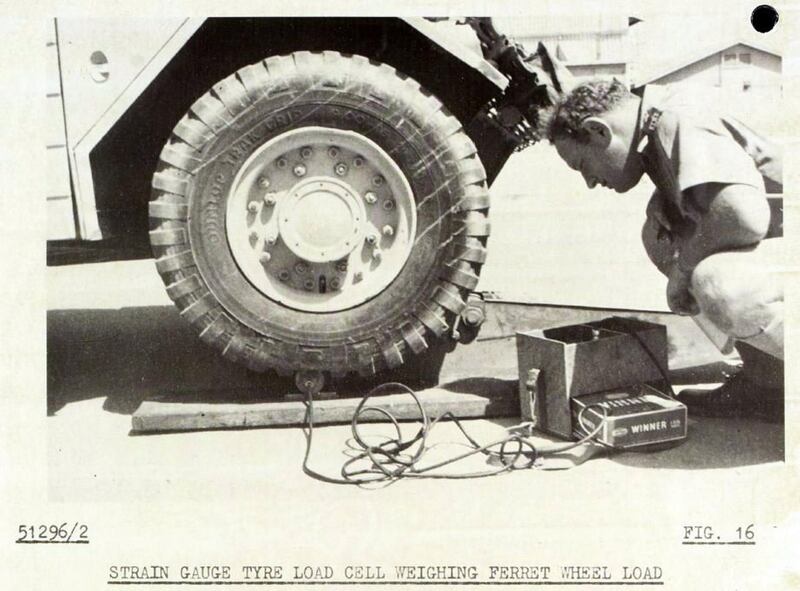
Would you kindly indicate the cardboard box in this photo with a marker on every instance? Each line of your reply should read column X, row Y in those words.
column 633, row 417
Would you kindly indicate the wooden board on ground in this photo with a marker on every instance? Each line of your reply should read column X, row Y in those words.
column 467, row 399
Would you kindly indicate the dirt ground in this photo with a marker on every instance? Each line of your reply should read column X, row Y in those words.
column 114, row 339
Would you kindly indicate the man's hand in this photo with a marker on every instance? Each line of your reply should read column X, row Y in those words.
column 657, row 217
column 679, row 298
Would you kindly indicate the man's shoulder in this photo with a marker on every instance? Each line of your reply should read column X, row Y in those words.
column 699, row 146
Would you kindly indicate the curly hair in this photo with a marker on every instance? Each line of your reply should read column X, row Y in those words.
column 585, row 100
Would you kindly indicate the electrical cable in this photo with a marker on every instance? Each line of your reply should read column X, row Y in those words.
column 394, row 459
column 657, row 363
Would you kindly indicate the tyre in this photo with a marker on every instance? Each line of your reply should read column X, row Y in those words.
column 319, row 212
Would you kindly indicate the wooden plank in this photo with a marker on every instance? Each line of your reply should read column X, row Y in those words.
column 187, row 413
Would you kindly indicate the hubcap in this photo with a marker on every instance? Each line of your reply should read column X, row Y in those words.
column 321, row 220
column 307, row 221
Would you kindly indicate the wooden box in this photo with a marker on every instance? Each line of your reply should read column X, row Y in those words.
column 556, row 364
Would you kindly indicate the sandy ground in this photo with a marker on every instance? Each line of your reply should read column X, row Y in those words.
column 114, row 339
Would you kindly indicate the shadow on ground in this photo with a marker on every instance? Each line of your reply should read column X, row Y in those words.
column 711, row 443
column 128, row 355
column 131, row 354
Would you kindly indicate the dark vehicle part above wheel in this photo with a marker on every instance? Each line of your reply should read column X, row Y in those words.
column 319, row 212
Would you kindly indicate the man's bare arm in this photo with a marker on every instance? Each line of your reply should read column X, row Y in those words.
column 736, row 216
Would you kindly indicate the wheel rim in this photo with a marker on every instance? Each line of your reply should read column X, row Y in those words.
column 320, row 219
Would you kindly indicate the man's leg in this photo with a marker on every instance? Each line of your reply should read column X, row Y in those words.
column 759, row 367
column 742, row 293
column 662, row 255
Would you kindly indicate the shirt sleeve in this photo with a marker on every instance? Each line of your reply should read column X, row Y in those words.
column 706, row 153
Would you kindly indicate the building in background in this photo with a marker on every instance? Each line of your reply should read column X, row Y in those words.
column 744, row 65
column 590, row 44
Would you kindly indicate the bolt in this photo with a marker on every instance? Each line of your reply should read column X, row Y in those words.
column 305, row 152
column 333, row 151
column 301, row 267
column 378, row 180
column 252, row 207
column 358, row 162
column 377, row 255
column 265, row 258
column 340, row 169
column 281, row 162
column 269, row 199
column 358, row 276
column 271, row 240
column 388, row 205
column 284, row 275
column 335, row 283
column 254, row 235
column 370, row 197
column 263, row 182
column 388, row 230
column 308, row 284
column 299, row 170
column 341, row 266
column 473, row 316
column 371, row 239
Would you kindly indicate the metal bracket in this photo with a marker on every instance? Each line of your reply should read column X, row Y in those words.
column 309, row 381
column 528, row 395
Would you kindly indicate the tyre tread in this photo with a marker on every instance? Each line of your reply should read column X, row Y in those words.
column 452, row 150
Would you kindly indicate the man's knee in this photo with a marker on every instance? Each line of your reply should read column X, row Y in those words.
column 733, row 301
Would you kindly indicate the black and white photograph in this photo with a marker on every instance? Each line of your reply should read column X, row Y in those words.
column 417, row 294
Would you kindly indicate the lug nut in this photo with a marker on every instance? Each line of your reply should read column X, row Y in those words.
column 271, row 240
column 333, row 151
column 269, row 199
column 358, row 276
column 281, row 162
column 378, row 180
column 263, row 182
column 377, row 255
column 358, row 162
column 308, row 284
column 341, row 266
column 388, row 230
column 301, row 267
column 265, row 258
column 299, row 170
column 305, row 152
column 370, row 197
column 340, row 169
column 371, row 239
column 284, row 275
column 388, row 205
column 335, row 283
column 252, row 207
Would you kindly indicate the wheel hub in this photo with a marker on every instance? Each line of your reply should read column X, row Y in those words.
column 320, row 219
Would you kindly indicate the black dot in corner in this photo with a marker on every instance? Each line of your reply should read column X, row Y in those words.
column 764, row 18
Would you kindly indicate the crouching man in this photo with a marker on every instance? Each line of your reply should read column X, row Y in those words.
column 708, row 222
